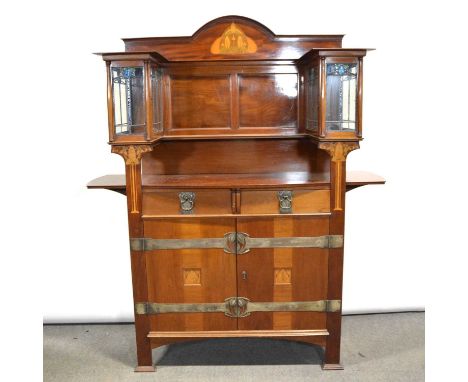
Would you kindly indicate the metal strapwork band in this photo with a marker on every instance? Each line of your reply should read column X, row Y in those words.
column 295, row 306
column 143, row 244
column 156, row 308
column 239, row 307
column 328, row 241
column 239, row 242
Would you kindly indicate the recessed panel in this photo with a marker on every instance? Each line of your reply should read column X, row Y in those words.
column 268, row 100
column 200, row 102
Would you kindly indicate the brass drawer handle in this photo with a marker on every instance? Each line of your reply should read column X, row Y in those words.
column 285, row 202
column 187, row 202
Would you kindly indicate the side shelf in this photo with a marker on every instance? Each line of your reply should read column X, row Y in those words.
column 116, row 183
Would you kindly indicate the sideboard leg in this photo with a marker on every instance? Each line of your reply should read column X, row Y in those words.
column 132, row 155
column 331, row 359
column 144, row 353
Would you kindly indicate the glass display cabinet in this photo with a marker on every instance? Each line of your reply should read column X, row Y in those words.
column 333, row 81
column 134, row 97
column 235, row 143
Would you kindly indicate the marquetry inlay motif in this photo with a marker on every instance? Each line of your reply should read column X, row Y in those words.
column 338, row 152
column 131, row 154
column 282, row 276
column 233, row 41
column 192, row 276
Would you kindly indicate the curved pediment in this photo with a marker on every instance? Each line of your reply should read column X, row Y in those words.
column 232, row 38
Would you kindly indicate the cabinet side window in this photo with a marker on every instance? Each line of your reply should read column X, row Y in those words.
column 156, row 89
column 128, row 96
column 312, row 100
column 341, row 97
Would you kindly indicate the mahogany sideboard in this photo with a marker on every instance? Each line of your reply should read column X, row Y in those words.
column 235, row 143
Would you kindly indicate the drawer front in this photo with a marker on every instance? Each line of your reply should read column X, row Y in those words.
column 186, row 202
column 285, row 201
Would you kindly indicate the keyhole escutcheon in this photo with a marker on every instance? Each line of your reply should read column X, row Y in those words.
column 244, row 275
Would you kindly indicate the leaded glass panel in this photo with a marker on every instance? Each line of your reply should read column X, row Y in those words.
column 313, row 100
column 129, row 100
column 341, row 97
column 156, row 89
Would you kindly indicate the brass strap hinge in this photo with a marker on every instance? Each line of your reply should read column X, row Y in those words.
column 238, row 243
column 239, row 307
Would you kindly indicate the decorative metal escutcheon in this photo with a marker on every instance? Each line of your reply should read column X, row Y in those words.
column 236, row 307
column 236, row 243
column 187, row 202
column 285, row 202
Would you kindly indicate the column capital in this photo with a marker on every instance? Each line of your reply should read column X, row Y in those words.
column 131, row 153
column 338, row 151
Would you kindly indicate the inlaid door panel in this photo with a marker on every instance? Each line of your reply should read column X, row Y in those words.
column 283, row 274
column 190, row 276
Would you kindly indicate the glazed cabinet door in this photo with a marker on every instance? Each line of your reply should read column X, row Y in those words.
column 197, row 276
column 285, row 274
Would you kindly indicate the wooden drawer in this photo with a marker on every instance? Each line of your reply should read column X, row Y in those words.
column 194, row 202
column 302, row 201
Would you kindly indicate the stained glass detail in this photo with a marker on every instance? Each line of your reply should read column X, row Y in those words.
column 341, row 97
column 128, row 96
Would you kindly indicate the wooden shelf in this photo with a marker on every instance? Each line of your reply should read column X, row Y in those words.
column 299, row 179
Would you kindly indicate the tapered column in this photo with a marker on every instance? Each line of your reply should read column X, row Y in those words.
column 132, row 156
column 338, row 152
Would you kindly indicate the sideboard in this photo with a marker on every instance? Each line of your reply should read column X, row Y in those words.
column 235, row 143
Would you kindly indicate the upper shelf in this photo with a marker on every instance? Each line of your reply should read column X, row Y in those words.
column 353, row 179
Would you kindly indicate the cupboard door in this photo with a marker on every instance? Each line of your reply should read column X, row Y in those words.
column 283, row 274
column 190, row 276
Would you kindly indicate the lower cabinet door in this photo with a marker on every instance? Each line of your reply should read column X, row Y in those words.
column 286, row 274
column 204, row 277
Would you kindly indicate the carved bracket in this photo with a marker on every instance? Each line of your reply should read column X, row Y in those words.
column 338, row 151
column 131, row 153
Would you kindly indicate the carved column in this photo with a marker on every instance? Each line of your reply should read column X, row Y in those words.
column 338, row 152
column 132, row 155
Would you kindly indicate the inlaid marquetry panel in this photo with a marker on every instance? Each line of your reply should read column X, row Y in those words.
column 282, row 276
column 233, row 41
column 192, row 276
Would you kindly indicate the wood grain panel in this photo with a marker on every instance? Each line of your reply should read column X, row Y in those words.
column 268, row 100
column 303, row 201
column 200, row 102
column 166, row 202
column 236, row 156
column 166, row 271
column 308, row 267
